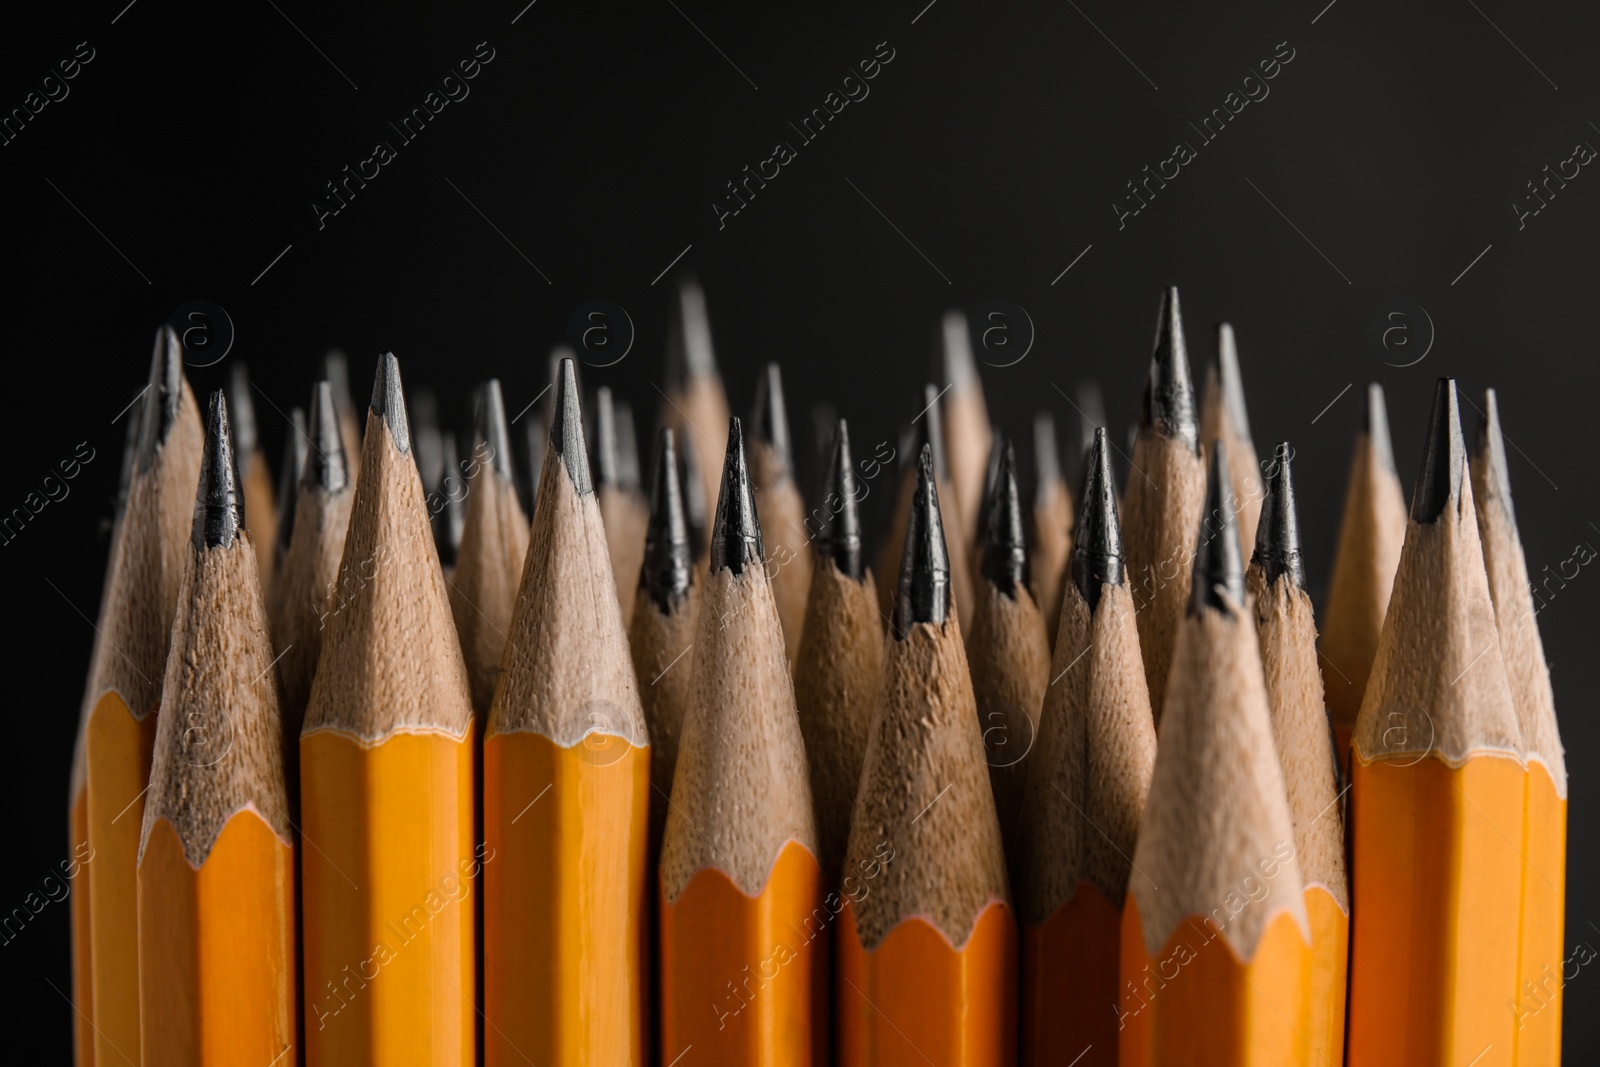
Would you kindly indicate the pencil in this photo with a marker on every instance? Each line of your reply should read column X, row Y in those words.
column 1215, row 943
column 1223, row 417
column 695, row 515
column 386, row 784
column 1541, row 970
column 305, row 592
column 627, row 445
column 294, row 461
column 1161, row 502
column 336, row 372
column 841, row 654
column 1008, row 652
column 494, row 543
column 217, row 965
column 927, row 941
column 743, row 979
column 446, row 505
column 966, row 422
column 1370, row 536
column 140, row 598
column 1088, row 777
column 566, row 782
column 1437, row 789
column 1287, row 636
column 1051, row 542
column 623, row 508
column 692, row 399
column 980, row 526
column 531, row 438
column 260, row 497
column 778, row 498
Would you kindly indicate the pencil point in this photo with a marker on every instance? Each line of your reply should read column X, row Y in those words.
column 1169, row 393
column 1046, row 451
column 627, row 444
column 1444, row 459
column 1231, row 383
column 326, row 466
column 1490, row 445
column 1005, row 550
column 336, row 372
column 953, row 363
column 665, row 575
column 163, row 395
column 924, row 587
column 1375, row 423
column 1097, row 557
column 689, row 351
column 389, row 401
column 606, row 455
column 219, row 503
column 736, row 531
column 1089, row 412
column 840, row 536
column 1277, row 549
column 566, row 428
column 769, row 421
column 492, row 431
column 694, row 493
column 241, row 410
column 1218, row 577
column 294, row 465
column 929, row 430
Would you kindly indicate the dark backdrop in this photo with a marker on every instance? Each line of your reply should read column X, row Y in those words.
column 990, row 155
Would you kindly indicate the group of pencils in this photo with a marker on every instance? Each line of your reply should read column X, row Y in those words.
column 375, row 769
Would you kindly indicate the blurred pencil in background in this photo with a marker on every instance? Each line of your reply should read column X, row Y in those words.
column 967, row 435
column 336, row 372
column 260, row 497
column 778, row 500
column 1223, row 417
column 692, row 399
column 1050, row 548
column 623, row 507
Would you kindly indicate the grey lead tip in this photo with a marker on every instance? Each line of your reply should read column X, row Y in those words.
column 840, row 536
column 627, row 444
column 769, row 419
column 450, row 520
column 389, row 401
column 1278, row 534
column 1097, row 558
column 491, row 430
column 606, row 455
column 242, row 410
column 923, row 593
column 336, row 371
column 1005, row 547
column 1090, row 413
column 294, row 464
column 219, row 503
column 163, row 395
column 1490, row 445
column 736, row 531
column 689, row 351
column 1046, row 452
column 1375, row 424
column 1444, row 457
column 1217, row 580
column 326, row 467
column 929, row 430
column 668, row 558
column 566, row 428
column 952, row 362
column 1230, row 381
column 1169, row 392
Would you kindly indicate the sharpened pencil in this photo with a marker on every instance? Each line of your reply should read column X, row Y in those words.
column 1051, row 544
column 778, row 500
column 966, row 423
column 336, row 372
column 692, row 398
column 294, row 461
column 260, row 497
column 1223, row 417
column 623, row 507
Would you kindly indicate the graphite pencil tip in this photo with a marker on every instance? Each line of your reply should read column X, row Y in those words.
column 389, row 401
column 1218, row 577
column 295, row 448
column 627, row 444
column 929, row 430
column 840, row 536
column 606, row 455
column 1097, row 558
column 450, row 520
column 1277, row 549
column 1444, row 459
column 1090, row 413
column 1375, row 423
column 1046, row 451
column 991, row 472
column 668, row 558
column 492, row 431
column 689, row 351
column 694, row 493
column 326, row 467
column 1005, row 548
column 566, row 428
column 1169, row 393
column 952, row 360
column 1490, row 444
column 218, row 504
column 736, row 531
column 924, row 585
column 336, row 371
column 242, row 410
column 1229, row 380
column 163, row 395
column 769, row 419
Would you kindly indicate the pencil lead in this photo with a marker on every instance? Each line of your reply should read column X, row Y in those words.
column 336, row 372
column 694, row 494
column 326, row 467
column 1490, row 444
column 1444, row 459
column 491, row 429
column 1376, row 426
column 219, row 503
column 1231, row 382
column 665, row 575
column 627, row 444
column 566, row 428
column 928, row 429
column 1046, row 452
column 991, row 471
column 1169, row 393
column 952, row 355
column 1097, row 557
column 840, row 536
column 689, row 351
column 1218, row 575
column 450, row 520
column 1088, row 412
column 924, row 594
column 389, row 401
column 1005, row 548
column 1277, row 549
column 769, row 419
column 736, row 531
column 426, row 441
column 294, row 465
column 605, row 438
column 163, row 395
column 242, row 410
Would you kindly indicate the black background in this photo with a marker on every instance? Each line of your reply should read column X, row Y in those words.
column 995, row 142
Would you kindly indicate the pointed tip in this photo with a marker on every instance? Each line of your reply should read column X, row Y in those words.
column 219, row 503
column 163, row 396
column 694, row 493
column 668, row 557
column 450, row 520
column 389, row 401
column 689, row 351
column 991, row 472
column 326, row 467
column 335, row 370
column 1375, row 424
column 491, row 429
column 1005, row 546
column 1277, row 549
column 1097, row 558
column 953, row 363
column 769, row 418
column 627, row 445
column 736, row 531
column 1046, row 450
column 294, row 465
column 1169, row 406
column 606, row 457
column 928, row 429
column 566, row 428
column 840, row 536
column 242, row 410
column 1217, row 580
column 924, row 580
column 1444, row 458
column 1490, row 448
column 1089, row 413
column 1230, row 381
